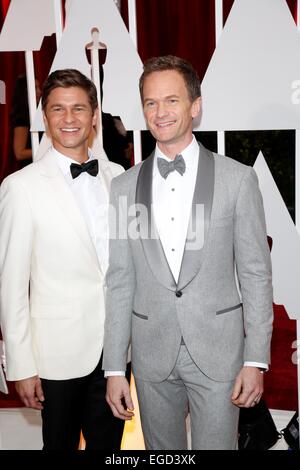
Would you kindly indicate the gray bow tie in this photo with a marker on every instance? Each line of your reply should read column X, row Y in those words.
column 165, row 167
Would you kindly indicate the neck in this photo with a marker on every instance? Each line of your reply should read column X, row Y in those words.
column 80, row 155
column 170, row 150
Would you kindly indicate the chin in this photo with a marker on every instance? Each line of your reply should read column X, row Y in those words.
column 164, row 137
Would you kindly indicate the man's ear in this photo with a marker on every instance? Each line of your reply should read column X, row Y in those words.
column 46, row 125
column 196, row 107
column 95, row 117
column 45, row 120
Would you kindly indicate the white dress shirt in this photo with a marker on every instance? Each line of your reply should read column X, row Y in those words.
column 92, row 200
column 172, row 202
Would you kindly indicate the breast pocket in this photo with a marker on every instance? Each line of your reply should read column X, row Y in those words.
column 229, row 309
column 140, row 315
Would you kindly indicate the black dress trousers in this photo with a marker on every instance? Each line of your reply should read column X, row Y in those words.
column 76, row 405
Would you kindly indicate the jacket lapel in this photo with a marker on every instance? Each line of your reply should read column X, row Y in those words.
column 64, row 199
column 198, row 224
column 149, row 238
column 105, row 175
column 199, row 219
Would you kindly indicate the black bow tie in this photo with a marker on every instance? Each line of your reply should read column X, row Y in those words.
column 90, row 167
column 165, row 167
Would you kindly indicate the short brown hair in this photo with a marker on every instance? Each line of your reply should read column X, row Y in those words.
column 67, row 78
column 171, row 62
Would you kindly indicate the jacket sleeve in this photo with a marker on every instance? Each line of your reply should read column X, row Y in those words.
column 120, row 285
column 253, row 262
column 16, row 237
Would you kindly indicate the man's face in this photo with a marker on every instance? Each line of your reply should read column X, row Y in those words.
column 69, row 119
column 168, row 108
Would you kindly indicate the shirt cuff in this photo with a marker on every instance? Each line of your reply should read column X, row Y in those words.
column 111, row 373
column 260, row 365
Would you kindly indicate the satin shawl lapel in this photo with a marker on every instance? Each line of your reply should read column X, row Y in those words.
column 151, row 243
column 199, row 219
column 62, row 194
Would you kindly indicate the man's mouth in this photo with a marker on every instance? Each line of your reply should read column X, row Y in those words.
column 165, row 124
column 70, row 129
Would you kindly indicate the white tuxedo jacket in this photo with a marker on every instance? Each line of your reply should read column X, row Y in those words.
column 51, row 290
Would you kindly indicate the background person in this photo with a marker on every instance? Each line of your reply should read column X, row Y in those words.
column 20, row 121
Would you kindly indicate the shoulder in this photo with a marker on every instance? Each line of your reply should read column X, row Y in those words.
column 233, row 177
column 20, row 176
column 30, row 174
column 229, row 169
column 225, row 165
column 228, row 164
column 114, row 168
column 16, row 186
column 127, row 179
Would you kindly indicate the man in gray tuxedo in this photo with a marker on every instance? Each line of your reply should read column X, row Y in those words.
column 199, row 344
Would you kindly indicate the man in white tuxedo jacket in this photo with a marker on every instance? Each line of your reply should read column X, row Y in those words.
column 53, row 258
column 196, row 345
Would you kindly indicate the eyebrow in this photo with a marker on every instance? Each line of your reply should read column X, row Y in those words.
column 83, row 105
column 165, row 98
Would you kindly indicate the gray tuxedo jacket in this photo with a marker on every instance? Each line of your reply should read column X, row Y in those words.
column 221, row 325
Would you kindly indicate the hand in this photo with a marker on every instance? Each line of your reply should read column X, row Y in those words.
column 118, row 392
column 30, row 391
column 248, row 387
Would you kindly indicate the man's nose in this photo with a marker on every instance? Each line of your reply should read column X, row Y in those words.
column 161, row 109
column 68, row 115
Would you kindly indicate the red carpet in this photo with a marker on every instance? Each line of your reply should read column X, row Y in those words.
column 280, row 381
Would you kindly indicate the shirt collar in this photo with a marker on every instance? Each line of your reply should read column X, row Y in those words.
column 190, row 155
column 64, row 161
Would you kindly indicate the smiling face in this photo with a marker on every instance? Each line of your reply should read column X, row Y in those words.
column 169, row 110
column 69, row 119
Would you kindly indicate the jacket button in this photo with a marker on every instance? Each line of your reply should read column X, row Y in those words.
column 178, row 293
